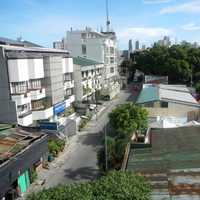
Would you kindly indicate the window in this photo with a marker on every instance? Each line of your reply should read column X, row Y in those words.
column 18, row 87
column 112, row 70
column 112, row 60
column 112, row 50
column 83, row 35
column 35, row 84
column 37, row 105
column 68, row 77
column 164, row 104
column 84, row 49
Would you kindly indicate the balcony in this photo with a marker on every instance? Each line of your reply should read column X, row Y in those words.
column 21, row 99
column 25, row 118
column 68, row 84
column 37, row 94
column 46, row 113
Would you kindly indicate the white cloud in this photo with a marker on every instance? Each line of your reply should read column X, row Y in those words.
column 144, row 33
column 156, row 1
column 189, row 7
column 191, row 27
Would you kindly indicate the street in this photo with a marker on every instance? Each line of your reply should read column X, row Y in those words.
column 79, row 161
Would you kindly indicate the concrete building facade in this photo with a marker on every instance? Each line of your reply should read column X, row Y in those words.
column 33, row 84
column 88, row 78
column 98, row 46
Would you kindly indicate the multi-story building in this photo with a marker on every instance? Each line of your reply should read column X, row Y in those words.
column 98, row 46
column 88, row 78
column 35, row 84
column 137, row 45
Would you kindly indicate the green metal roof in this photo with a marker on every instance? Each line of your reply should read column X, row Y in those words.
column 5, row 126
column 172, row 148
column 148, row 94
column 85, row 61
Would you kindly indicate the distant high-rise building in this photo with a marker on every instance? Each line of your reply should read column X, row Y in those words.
column 137, row 45
column 130, row 46
column 143, row 47
column 165, row 41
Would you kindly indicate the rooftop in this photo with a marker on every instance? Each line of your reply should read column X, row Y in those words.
column 14, row 140
column 169, row 93
column 85, row 61
column 170, row 161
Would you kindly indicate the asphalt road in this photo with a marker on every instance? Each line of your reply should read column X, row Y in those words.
column 79, row 161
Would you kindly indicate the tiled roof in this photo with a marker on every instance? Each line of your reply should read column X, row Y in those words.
column 85, row 61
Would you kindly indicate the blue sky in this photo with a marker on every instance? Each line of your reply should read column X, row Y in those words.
column 44, row 21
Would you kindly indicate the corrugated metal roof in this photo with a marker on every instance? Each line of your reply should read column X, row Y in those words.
column 14, row 140
column 168, row 93
column 148, row 94
column 85, row 61
column 171, row 164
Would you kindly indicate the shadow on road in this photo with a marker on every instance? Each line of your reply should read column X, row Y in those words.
column 82, row 174
column 92, row 139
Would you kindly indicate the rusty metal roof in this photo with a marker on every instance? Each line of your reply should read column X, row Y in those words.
column 171, row 163
column 13, row 140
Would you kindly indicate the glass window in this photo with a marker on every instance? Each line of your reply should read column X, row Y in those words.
column 164, row 104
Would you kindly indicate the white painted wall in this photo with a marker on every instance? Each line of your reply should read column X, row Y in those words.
column 38, row 94
column 42, row 114
column 36, row 68
column 25, row 121
column 22, row 99
column 67, row 65
column 18, row 70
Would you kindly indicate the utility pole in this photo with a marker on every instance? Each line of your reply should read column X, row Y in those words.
column 106, row 159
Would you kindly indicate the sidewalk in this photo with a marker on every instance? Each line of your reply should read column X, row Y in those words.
column 59, row 162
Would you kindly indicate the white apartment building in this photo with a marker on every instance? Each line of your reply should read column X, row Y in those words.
column 35, row 84
column 101, row 47
column 88, row 78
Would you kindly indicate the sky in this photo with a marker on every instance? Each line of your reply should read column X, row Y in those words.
column 45, row 21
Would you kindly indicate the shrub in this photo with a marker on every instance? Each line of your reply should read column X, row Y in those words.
column 55, row 146
column 117, row 185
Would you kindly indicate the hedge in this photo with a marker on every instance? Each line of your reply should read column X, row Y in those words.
column 117, row 185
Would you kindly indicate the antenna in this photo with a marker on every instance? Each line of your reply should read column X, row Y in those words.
column 107, row 17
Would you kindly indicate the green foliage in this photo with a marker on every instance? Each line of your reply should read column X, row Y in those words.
column 117, row 185
column 69, row 111
column 197, row 86
column 125, row 120
column 55, row 146
column 128, row 118
column 177, row 62
column 84, row 121
column 33, row 175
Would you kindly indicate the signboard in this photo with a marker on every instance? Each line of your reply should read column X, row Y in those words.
column 48, row 125
column 59, row 108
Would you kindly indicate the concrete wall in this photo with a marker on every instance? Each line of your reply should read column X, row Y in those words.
column 7, row 106
column 36, row 68
column 54, row 79
column 78, row 83
column 18, row 70
column 174, row 109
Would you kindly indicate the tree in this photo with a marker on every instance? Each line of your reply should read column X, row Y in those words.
column 197, row 86
column 178, row 62
column 116, row 185
column 128, row 118
column 125, row 120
